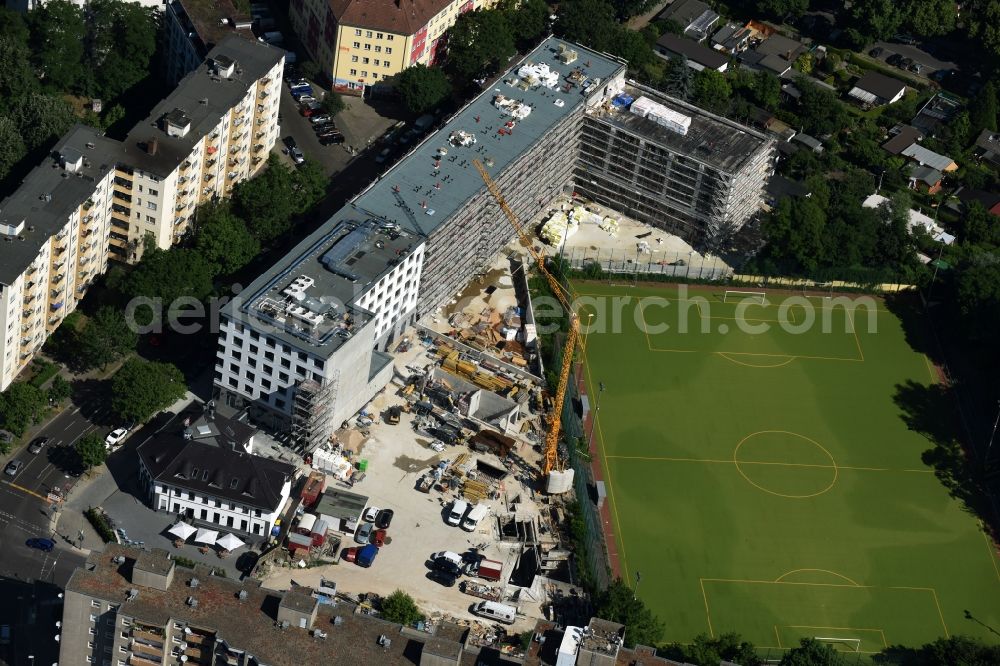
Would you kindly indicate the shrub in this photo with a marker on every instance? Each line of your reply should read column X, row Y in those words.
column 100, row 523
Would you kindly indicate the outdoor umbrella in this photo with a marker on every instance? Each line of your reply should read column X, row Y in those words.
column 182, row 531
column 229, row 542
column 206, row 537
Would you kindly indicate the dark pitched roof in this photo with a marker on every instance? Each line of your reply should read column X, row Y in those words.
column 925, row 174
column 779, row 45
column 684, row 11
column 880, row 85
column 901, row 141
column 215, row 470
column 692, row 51
column 987, row 199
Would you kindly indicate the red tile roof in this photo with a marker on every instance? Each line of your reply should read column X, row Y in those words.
column 403, row 17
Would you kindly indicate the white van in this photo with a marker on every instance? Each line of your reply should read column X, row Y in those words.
column 471, row 521
column 494, row 611
column 458, row 509
column 449, row 556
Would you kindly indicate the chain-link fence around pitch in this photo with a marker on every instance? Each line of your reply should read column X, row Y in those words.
column 683, row 265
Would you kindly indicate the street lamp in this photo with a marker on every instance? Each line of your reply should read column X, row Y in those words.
column 586, row 333
column 593, row 421
column 635, row 590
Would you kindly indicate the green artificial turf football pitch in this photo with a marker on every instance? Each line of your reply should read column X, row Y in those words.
column 765, row 482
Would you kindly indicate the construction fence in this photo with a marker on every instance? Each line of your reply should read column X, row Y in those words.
column 682, row 265
column 833, row 285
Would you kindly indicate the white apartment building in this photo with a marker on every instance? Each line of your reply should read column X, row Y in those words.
column 301, row 347
column 208, row 475
column 96, row 199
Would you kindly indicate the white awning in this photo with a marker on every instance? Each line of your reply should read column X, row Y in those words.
column 182, row 530
column 229, row 542
column 206, row 537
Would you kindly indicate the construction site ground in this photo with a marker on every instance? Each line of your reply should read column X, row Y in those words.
column 397, row 457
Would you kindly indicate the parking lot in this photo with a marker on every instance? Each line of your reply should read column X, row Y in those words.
column 397, row 457
column 928, row 64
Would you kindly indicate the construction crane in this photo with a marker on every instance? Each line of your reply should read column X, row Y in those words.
column 552, row 437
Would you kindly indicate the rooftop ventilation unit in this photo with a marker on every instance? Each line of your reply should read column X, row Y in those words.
column 118, row 559
column 192, row 602
column 193, row 582
column 132, row 594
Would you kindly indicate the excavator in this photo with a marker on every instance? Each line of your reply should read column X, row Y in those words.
column 551, row 461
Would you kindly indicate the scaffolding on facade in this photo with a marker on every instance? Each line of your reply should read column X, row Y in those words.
column 312, row 412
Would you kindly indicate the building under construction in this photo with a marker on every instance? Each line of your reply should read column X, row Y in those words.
column 564, row 118
column 672, row 165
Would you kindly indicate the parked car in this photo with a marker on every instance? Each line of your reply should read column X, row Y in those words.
column 383, row 156
column 905, row 63
column 379, row 537
column 115, row 437
column 364, row 533
column 442, row 577
column 876, row 52
column 41, row 544
column 447, row 566
column 322, row 118
column 309, row 108
column 325, row 126
column 13, row 467
column 297, row 156
column 916, row 68
column 330, row 140
column 894, row 59
column 302, row 99
column 384, row 519
column 37, row 444
column 370, row 514
column 289, row 142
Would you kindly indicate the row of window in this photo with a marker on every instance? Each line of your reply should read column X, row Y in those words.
column 268, row 342
column 377, row 48
column 251, row 390
column 378, row 35
column 376, row 63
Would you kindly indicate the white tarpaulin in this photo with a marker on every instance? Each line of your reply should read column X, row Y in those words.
column 206, row 537
column 229, row 542
column 182, row 530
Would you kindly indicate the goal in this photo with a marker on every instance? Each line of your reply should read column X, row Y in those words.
column 755, row 296
column 841, row 644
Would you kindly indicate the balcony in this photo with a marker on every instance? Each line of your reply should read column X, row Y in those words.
column 209, row 177
column 148, row 638
column 185, row 165
column 142, row 660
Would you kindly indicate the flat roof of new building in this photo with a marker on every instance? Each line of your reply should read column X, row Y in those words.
column 202, row 97
column 711, row 139
column 206, row 18
column 49, row 194
column 433, row 194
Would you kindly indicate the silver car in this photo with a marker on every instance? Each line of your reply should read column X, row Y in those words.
column 364, row 533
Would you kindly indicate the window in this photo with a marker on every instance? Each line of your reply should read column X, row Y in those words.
column 93, row 618
column 389, row 37
column 194, row 473
column 368, row 34
column 354, row 72
column 150, row 205
column 354, row 58
column 90, row 659
column 365, row 61
column 378, row 49
column 155, row 193
column 92, row 632
column 357, row 45
column 388, row 49
column 233, row 484
column 357, row 33
column 283, row 377
column 376, row 62
column 90, row 645
column 374, row 75
column 269, row 356
column 285, row 363
column 379, row 35
column 150, row 219
column 368, row 47
column 95, row 604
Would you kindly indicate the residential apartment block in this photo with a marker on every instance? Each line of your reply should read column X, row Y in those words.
column 208, row 474
column 303, row 347
column 192, row 29
column 360, row 43
column 97, row 199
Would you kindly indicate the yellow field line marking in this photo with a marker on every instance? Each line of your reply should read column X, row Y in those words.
column 947, row 634
column 778, row 636
column 708, row 614
column 930, row 369
column 991, row 548
column 832, row 573
column 854, row 330
column 761, row 462
column 885, row 643
column 698, row 299
column 739, row 353
column 27, row 490
column 619, row 537
column 751, row 365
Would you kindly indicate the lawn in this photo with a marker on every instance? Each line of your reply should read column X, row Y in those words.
column 764, row 482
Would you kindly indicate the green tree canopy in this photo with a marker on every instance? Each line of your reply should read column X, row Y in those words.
column 333, row 103
column 619, row 604
column 929, row 18
column 710, row 90
column 812, row 653
column 781, row 8
column 309, row 184
column 223, row 239
column 16, row 76
column 589, row 22
column 267, row 201
column 982, row 17
column 60, row 389
column 400, row 608
column 708, row 651
column 59, row 38
column 91, row 450
column 480, row 43
column 984, row 113
column 528, row 20
column 141, row 388
column 122, row 38
column 169, row 275
column 105, row 339
column 21, row 405
column 877, row 19
column 422, row 88
column 12, row 149
column 42, row 118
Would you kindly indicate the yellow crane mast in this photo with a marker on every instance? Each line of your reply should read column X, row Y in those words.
column 552, row 437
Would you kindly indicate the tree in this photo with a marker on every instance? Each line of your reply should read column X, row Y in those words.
column 977, row 291
column 812, row 653
column 59, row 390
column 12, row 149
column 708, row 651
column 978, row 226
column 804, row 63
column 679, row 80
column 589, row 22
column 958, row 651
column 631, row 46
column 982, row 17
column 20, row 406
column 333, row 103
column 820, row 110
column 91, row 450
column 59, row 37
column 877, row 19
column 309, row 184
column 619, row 604
column 929, row 18
column 626, row 9
column 781, row 8
column 794, row 234
column 168, row 275
column 767, row 90
column 223, row 239
column 710, row 90
column 268, row 201
column 400, row 608
column 41, row 118
column 528, row 20
column 479, row 44
column 985, row 112
column 16, row 76
column 141, row 388
column 106, row 338
column 422, row 88
column 121, row 44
